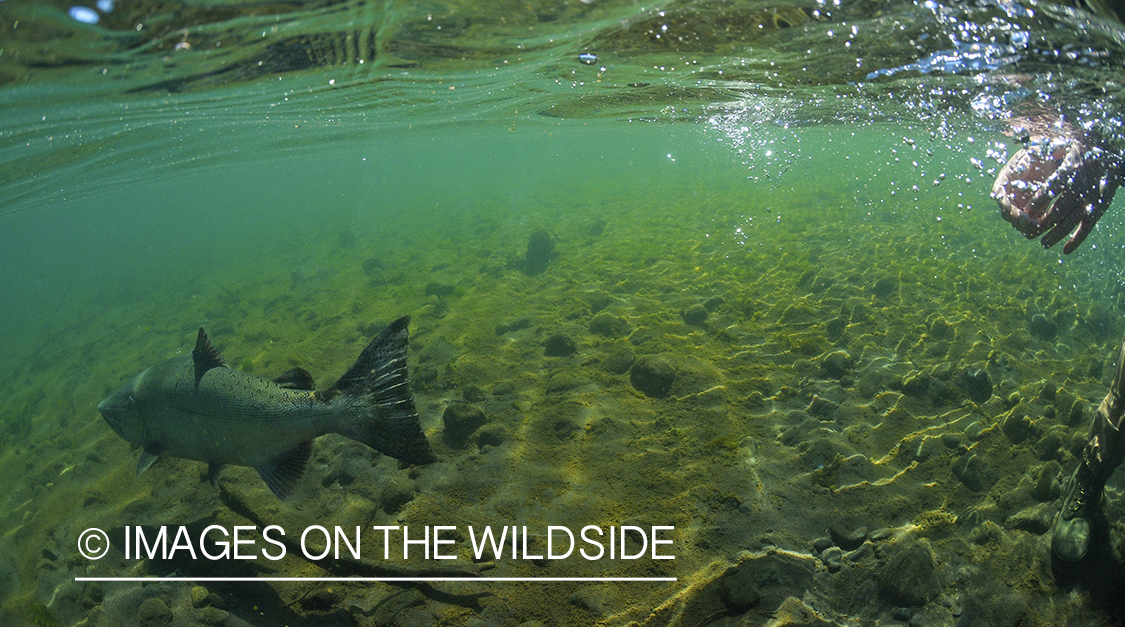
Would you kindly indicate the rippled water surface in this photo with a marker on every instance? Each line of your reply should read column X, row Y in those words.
column 727, row 267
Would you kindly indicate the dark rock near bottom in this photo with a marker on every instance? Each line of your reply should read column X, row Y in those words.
column 884, row 287
column 608, row 325
column 653, row 376
column 559, row 345
column 371, row 266
column 1017, row 426
column 696, row 315
column 1042, row 327
column 940, row 329
column 1035, row 520
column 821, row 407
column 848, row 532
column 515, row 325
column 321, row 600
column 909, row 577
column 974, row 472
column 977, row 384
column 833, row 559
column 835, row 327
column 1048, row 446
column 211, row 616
column 474, row 393
column 540, row 251
column 461, row 421
column 837, row 364
column 916, row 384
column 738, row 591
column 492, row 436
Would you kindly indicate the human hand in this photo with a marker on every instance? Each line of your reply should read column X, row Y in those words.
column 1062, row 181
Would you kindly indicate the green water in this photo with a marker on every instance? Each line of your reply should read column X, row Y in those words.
column 811, row 253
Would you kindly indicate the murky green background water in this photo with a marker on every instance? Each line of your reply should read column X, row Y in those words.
column 236, row 166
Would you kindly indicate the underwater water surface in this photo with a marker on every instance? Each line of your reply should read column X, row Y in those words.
column 728, row 274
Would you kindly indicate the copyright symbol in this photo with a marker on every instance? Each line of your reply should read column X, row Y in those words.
column 93, row 544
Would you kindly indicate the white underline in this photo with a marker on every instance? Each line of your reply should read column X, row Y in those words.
column 370, row 579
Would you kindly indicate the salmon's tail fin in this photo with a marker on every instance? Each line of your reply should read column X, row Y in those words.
column 378, row 379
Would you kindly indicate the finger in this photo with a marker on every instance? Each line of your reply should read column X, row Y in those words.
column 1065, row 226
column 1079, row 236
column 1088, row 221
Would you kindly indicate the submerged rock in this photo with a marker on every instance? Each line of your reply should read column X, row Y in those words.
column 696, row 315
column 154, row 612
column 910, row 576
column 518, row 324
column 940, row 329
column 977, row 384
column 884, row 287
column 211, row 616
column 738, row 589
column 608, row 325
column 619, row 361
column 1042, row 327
column 833, row 559
column 559, row 345
column 199, row 596
column 1046, row 486
column 540, row 251
column 1017, row 426
column 837, row 364
column 371, row 265
column 1035, row 519
column 916, row 383
column 821, row 407
column 652, row 375
column 835, row 327
column 974, row 472
column 461, row 420
column 848, row 532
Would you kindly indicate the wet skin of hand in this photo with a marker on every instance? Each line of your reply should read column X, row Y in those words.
column 1062, row 181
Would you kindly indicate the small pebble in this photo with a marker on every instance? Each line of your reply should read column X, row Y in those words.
column 833, row 559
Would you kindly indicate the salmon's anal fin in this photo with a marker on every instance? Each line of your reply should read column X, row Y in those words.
column 283, row 473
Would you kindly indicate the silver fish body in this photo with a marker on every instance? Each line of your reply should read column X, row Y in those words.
column 194, row 407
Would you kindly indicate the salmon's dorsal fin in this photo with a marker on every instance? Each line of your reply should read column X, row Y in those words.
column 205, row 356
column 296, row 379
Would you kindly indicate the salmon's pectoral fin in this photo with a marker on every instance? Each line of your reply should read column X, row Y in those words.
column 283, row 473
column 205, row 356
column 213, row 472
column 148, row 455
